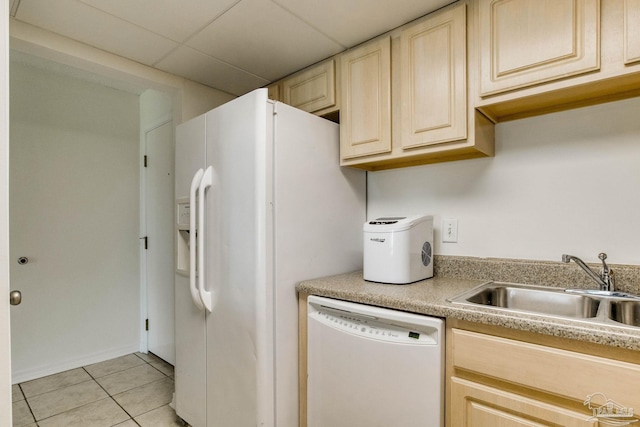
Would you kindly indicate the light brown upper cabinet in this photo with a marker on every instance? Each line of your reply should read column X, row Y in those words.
column 312, row 89
column 365, row 116
column 527, row 42
column 433, row 80
column 631, row 31
column 541, row 56
column 273, row 91
column 405, row 97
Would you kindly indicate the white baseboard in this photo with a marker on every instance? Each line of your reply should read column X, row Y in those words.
column 76, row 362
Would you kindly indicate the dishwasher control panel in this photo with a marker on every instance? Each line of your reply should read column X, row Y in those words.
column 371, row 327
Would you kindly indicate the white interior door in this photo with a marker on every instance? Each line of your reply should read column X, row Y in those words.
column 5, row 342
column 159, row 201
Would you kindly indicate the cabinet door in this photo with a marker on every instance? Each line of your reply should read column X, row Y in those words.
column 527, row 42
column 433, row 80
column 476, row 405
column 365, row 115
column 551, row 370
column 313, row 89
column 274, row 91
column 631, row 31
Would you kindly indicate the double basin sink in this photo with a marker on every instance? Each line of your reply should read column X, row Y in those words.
column 615, row 308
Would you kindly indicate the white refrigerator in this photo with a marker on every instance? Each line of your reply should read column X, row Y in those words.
column 260, row 181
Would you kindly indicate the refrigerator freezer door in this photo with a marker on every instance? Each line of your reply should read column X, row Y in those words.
column 235, row 137
column 190, row 368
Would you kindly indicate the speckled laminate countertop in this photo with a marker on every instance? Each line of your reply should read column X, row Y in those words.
column 429, row 297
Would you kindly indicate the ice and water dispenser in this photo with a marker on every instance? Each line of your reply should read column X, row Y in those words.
column 182, row 238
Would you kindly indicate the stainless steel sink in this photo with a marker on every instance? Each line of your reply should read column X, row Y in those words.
column 551, row 302
column 584, row 305
column 626, row 312
column 532, row 299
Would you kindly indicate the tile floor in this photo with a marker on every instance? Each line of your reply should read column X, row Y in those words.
column 128, row 391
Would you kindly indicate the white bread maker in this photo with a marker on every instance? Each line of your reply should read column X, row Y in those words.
column 398, row 250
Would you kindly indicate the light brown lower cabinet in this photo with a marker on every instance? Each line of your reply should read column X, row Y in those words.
column 478, row 405
column 495, row 381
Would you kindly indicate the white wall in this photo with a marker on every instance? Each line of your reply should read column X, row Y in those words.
column 74, row 200
column 155, row 106
column 566, row 182
column 190, row 98
column 198, row 99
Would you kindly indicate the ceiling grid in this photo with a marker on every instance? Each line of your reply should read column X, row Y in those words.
column 231, row 45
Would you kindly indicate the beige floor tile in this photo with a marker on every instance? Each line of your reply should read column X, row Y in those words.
column 147, row 397
column 21, row 414
column 164, row 416
column 55, row 402
column 16, row 393
column 164, row 367
column 114, row 365
column 128, row 423
column 131, row 378
column 103, row 413
column 148, row 357
column 54, row 382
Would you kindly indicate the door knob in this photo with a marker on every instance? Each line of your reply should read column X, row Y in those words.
column 15, row 297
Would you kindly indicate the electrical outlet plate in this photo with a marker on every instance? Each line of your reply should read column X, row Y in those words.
column 449, row 230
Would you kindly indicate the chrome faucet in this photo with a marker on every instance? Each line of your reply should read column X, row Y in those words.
column 605, row 279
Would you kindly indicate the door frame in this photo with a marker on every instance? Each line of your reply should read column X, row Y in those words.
column 5, row 335
column 144, row 300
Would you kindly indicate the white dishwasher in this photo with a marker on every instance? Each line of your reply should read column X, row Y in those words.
column 373, row 367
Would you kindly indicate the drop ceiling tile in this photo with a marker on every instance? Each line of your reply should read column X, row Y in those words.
column 84, row 23
column 264, row 39
column 351, row 22
column 204, row 69
column 176, row 20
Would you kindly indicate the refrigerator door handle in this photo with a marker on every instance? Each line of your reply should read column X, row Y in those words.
column 205, row 296
column 193, row 247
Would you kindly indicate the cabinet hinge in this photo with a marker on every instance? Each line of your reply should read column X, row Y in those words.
column 146, row 325
column 145, row 161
